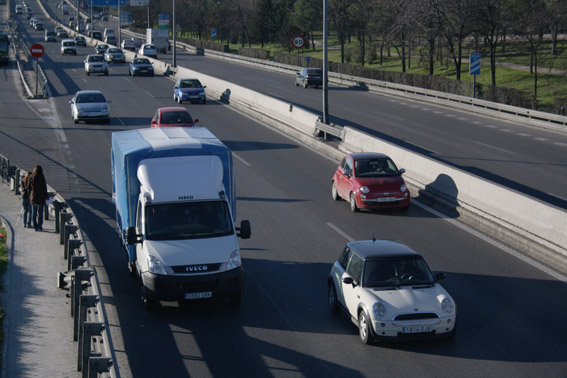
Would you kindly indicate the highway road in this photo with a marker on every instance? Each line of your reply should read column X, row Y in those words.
column 511, row 315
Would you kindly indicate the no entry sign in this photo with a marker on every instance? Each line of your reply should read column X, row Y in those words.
column 36, row 50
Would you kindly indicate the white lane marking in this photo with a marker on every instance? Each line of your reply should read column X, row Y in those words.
column 476, row 122
column 340, row 232
column 495, row 243
column 524, row 134
column 149, row 94
column 463, row 119
column 241, row 160
column 491, row 126
column 507, row 130
column 496, row 148
column 561, row 144
column 120, row 120
column 542, row 139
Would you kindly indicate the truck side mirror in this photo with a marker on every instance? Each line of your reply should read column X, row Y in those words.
column 132, row 237
column 245, row 230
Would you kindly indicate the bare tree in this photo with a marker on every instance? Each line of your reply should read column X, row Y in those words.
column 339, row 17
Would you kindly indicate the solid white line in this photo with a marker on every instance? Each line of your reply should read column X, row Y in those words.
column 495, row 243
column 340, row 232
column 241, row 160
column 151, row 95
column 496, row 148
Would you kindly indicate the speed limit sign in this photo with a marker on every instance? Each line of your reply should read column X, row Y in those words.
column 298, row 41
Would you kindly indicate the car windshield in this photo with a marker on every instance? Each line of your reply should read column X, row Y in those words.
column 375, row 167
column 190, row 83
column 102, row 47
column 188, row 220
column 141, row 61
column 401, row 271
column 49, row 33
column 175, row 118
column 314, row 72
column 83, row 98
column 149, row 47
column 96, row 58
column 114, row 51
column 68, row 43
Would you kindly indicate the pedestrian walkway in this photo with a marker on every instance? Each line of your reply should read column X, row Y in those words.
column 38, row 327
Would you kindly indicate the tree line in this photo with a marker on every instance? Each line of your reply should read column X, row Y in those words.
column 434, row 29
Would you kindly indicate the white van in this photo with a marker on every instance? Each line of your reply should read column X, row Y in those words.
column 19, row 9
column 107, row 32
column 68, row 46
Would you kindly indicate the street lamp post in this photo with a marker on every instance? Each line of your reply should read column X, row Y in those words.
column 325, row 67
column 174, row 28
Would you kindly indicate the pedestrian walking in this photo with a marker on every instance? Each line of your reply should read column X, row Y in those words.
column 37, row 188
column 26, row 204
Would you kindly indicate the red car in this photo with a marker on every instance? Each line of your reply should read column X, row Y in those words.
column 370, row 181
column 173, row 116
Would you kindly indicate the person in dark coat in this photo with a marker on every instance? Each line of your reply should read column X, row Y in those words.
column 37, row 188
column 26, row 205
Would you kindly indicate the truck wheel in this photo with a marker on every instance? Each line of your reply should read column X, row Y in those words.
column 150, row 303
column 235, row 299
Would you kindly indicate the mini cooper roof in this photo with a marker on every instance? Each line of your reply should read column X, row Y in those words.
column 381, row 249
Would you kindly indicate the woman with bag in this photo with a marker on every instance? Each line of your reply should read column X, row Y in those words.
column 37, row 189
column 26, row 205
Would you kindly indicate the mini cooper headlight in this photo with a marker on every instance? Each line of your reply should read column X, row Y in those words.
column 364, row 189
column 379, row 310
column 403, row 188
column 447, row 305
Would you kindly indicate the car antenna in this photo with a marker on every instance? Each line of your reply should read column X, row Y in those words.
column 373, row 238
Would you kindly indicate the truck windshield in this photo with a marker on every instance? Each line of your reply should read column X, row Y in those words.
column 188, row 220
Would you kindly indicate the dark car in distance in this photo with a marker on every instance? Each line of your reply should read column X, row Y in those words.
column 309, row 76
column 141, row 66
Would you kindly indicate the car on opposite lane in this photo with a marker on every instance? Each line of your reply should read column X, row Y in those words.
column 90, row 105
column 50, row 36
column 141, row 67
column 114, row 55
column 389, row 292
column 189, row 89
column 309, row 76
column 95, row 63
column 173, row 117
column 62, row 33
column 369, row 180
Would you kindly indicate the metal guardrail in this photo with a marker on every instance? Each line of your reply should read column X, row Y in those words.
column 90, row 329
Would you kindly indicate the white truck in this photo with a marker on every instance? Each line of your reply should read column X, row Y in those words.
column 159, row 38
column 175, row 208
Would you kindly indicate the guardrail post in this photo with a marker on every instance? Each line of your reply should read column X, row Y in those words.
column 98, row 365
column 67, row 231
column 65, row 217
column 85, row 302
column 72, row 245
column 77, row 287
column 77, row 261
column 87, row 331
column 58, row 206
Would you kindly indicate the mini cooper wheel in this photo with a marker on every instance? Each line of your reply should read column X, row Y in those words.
column 334, row 193
column 364, row 328
column 332, row 298
column 353, row 206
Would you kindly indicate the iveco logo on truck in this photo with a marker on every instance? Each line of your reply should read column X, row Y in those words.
column 181, row 198
column 196, row 268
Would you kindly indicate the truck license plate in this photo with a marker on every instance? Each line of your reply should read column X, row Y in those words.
column 206, row 294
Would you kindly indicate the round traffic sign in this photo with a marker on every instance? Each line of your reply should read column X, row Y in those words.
column 36, row 50
column 298, row 41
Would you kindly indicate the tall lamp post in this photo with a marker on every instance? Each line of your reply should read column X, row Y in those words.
column 174, row 28
column 325, row 67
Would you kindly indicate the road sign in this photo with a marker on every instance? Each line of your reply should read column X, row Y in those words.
column 107, row 3
column 36, row 50
column 298, row 41
column 474, row 64
column 126, row 16
column 213, row 33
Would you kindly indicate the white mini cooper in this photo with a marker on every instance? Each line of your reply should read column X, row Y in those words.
column 389, row 292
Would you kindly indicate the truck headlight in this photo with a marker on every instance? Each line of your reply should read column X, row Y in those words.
column 447, row 305
column 155, row 266
column 233, row 260
column 379, row 310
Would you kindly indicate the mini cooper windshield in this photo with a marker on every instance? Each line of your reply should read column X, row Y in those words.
column 397, row 272
column 189, row 220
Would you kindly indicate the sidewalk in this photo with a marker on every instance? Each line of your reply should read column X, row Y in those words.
column 38, row 327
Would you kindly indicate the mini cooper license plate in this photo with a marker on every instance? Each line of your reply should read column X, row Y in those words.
column 416, row 329
column 206, row 294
